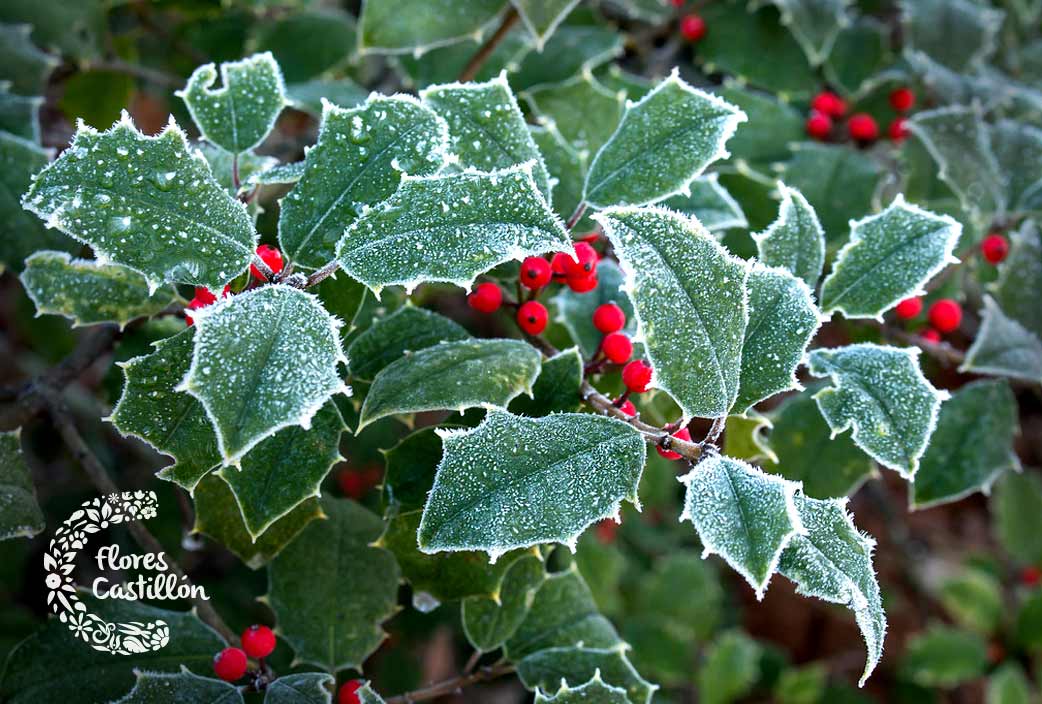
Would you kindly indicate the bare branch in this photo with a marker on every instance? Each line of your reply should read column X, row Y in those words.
column 479, row 58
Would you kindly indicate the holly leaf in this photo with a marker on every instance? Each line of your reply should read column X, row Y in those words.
column 308, row 579
column 486, row 128
column 22, row 517
column 1021, row 271
column 594, row 692
column 217, row 514
column 971, row 446
column 943, row 657
column 795, row 241
column 251, row 168
column 745, row 439
column 890, row 256
column 583, row 111
column 567, row 170
column 19, row 115
column 239, row 115
column 359, row 160
column 815, row 24
column 308, row 96
column 778, row 126
column 417, row 26
column 279, row 174
column 571, row 50
column 471, row 373
column 367, row 696
column 548, row 668
column 26, row 66
column 836, row 180
column 730, row 669
column 880, row 394
column 263, row 360
column 302, row 688
column 490, row 496
column 710, row 204
column 408, row 329
column 125, row 195
column 489, row 621
column 457, row 226
column 1003, row 347
column 1018, row 151
column 182, row 687
column 665, row 141
column 958, row 33
column 541, row 17
column 89, row 292
column 689, row 298
column 575, row 310
column 745, row 516
column 1008, row 685
column 556, row 389
column 1017, row 515
column 782, row 321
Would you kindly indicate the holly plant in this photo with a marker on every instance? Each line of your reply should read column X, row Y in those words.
column 550, row 290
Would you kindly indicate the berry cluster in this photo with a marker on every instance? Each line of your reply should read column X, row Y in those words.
column 204, row 296
column 257, row 642
column 827, row 108
column 944, row 316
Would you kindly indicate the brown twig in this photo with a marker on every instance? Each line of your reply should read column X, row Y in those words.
column 440, row 689
column 324, row 273
column 576, row 215
column 481, row 56
column 941, row 351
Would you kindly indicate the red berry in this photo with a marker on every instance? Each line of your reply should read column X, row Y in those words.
column 582, row 284
column 590, row 238
column 1030, row 576
column 609, row 318
column 692, row 27
column 930, row 335
column 828, row 103
column 532, row 317
column 617, row 347
column 898, row 130
column 678, row 3
column 636, row 376
column 204, row 296
column 347, row 694
column 606, row 530
column 862, row 127
column 258, row 641
column 945, row 315
column 487, row 298
column 628, row 408
column 682, row 434
column 819, row 125
column 353, row 483
column 270, row 256
column 909, row 308
column 994, row 247
column 585, row 263
column 535, row 272
column 230, row 664
column 902, row 99
column 559, row 264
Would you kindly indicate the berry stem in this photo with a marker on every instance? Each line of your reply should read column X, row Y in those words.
column 576, row 215
column 236, row 183
column 262, row 267
column 322, row 274
column 481, row 56
column 454, row 684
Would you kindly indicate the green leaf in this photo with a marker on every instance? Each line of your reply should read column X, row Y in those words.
column 1003, row 347
column 575, row 310
column 148, row 203
column 279, row 174
column 179, row 688
column 782, row 321
column 690, row 300
column 470, row 373
column 25, row 66
column 492, row 491
column 22, row 517
column 944, row 657
column 815, row 24
column 342, row 92
column 541, row 17
column 359, row 160
column 1018, row 151
column 239, row 115
column 744, row 437
column 805, row 451
column 1008, row 685
column 881, row 395
column 567, row 170
column 1017, row 514
column 547, row 669
column 958, row 33
column 583, row 111
column 569, row 52
column 777, row 125
column 408, row 329
column 218, row 515
column 795, row 241
column 489, row 621
column 556, row 389
column 730, row 669
column 88, row 292
column 890, row 256
column 832, row 560
column 263, row 360
column 416, row 26
column 974, row 599
column 836, row 180
column 302, row 688
column 802, row 685
column 308, row 581
column 486, row 128
column 664, row 142
column 410, row 468
column 19, row 115
column 367, row 696
column 710, row 204
column 860, row 53
column 456, row 226
column 971, row 446
column 89, row 676
column 253, row 168
column 593, row 692
column 308, row 41
column 745, row 516
column 1022, row 271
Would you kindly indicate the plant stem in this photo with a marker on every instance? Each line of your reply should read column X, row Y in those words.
column 478, row 60
column 576, row 215
column 236, row 183
column 322, row 274
column 262, row 267
column 440, row 689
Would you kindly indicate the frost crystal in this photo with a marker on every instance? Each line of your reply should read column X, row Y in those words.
column 796, row 240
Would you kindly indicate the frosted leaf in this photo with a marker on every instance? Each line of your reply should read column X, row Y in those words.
column 250, row 167
column 486, row 128
column 573, row 49
column 21, row 516
column 278, row 174
column 488, row 621
column 710, row 204
column 308, row 580
column 1021, row 271
column 149, row 203
column 304, row 688
column 182, row 687
column 782, row 321
column 881, row 396
column 971, row 447
column 547, row 669
column 745, row 437
column 541, row 17
column 87, row 292
column 958, row 33
column 832, row 560
column 890, row 256
column 366, row 695
column 581, row 109
column 567, row 170
column 689, row 297
column 451, row 228
column 663, row 143
column 452, row 376
column 417, row 26
column 240, row 114
column 26, row 66
column 515, row 482
column 285, row 470
column 19, row 114
column 1018, row 152
column 575, row 310
column 359, row 160
column 592, row 692
column 815, row 24
column 836, row 179
column 796, row 240
column 1003, row 347
column 264, row 360
column 743, row 515
column 408, row 329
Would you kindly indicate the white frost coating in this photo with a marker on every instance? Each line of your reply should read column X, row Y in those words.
column 795, row 240
column 880, row 394
column 1004, row 347
column 596, row 691
column 403, row 16
column 541, row 34
column 744, row 515
column 805, row 19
